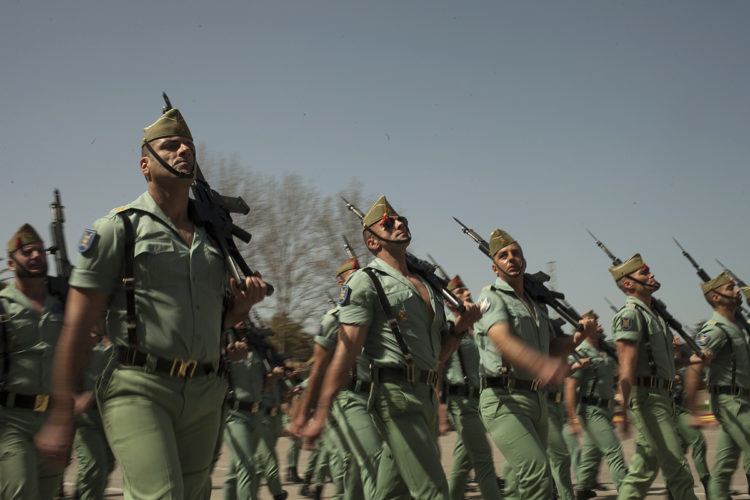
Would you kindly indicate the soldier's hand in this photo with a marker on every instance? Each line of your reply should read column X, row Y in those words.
column 706, row 360
column 277, row 372
column 589, row 325
column 237, row 350
column 316, row 424
column 83, row 402
column 574, row 427
column 464, row 320
column 580, row 364
column 254, row 292
column 54, row 441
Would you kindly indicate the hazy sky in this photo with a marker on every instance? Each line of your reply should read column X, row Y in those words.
column 542, row 118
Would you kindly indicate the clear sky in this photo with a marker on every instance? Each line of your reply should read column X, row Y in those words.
column 542, row 118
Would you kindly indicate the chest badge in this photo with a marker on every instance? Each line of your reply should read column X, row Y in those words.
column 402, row 316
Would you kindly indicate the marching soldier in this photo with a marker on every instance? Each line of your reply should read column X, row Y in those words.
column 161, row 279
column 519, row 358
column 728, row 353
column 399, row 320
column 461, row 388
column 31, row 314
column 644, row 349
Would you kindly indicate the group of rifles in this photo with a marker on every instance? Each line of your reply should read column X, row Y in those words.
column 148, row 343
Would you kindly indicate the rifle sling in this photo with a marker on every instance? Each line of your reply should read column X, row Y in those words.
column 392, row 320
column 128, row 279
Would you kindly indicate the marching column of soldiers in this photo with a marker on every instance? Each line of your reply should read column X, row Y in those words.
column 145, row 357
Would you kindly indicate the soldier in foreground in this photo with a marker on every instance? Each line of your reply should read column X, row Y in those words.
column 647, row 370
column 161, row 407
column 519, row 358
column 404, row 356
column 31, row 313
column 728, row 354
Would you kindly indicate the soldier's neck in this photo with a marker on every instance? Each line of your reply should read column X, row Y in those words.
column 35, row 289
column 726, row 312
column 396, row 258
column 173, row 202
column 643, row 296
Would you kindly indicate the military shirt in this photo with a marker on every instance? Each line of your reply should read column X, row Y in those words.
column 454, row 371
column 714, row 337
column 599, row 375
column 247, row 377
column 420, row 327
column 272, row 397
column 634, row 321
column 31, row 340
column 328, row 336
column 179, row 289
column 499, row 303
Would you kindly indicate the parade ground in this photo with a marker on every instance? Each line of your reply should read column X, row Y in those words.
column 657, row 490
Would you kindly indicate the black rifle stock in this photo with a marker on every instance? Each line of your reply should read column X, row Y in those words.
column 422, row 268
column 659, row 306
column 57, row 236
column 703, row 275
column 214, row 211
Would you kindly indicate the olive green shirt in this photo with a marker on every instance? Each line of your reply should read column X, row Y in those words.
column 31, row 340
column 179, row 289
column 599, row 375
column 633, row 322
column 328, row 336
column 715, row 337
column 500, row 304
column 247, row 378
column 454, row 371
column 420, row 327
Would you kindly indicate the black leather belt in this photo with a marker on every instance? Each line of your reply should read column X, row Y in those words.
column 404, row 374
column 728, row 389
column 173, row 367
column 466, row 391
column 505, row 382
column 654, row 383
column 593, row 400
column 34, row 402
column 555, row 396
column 248, row 406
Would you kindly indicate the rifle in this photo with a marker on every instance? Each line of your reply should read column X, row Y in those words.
column 659, row 306
column 214, row 211
column 533, row 284
column 349, row 249
column 734, row 276
column 438, row 268
column 57, row 237
column 611, row 305
column 703, row 275
column 423, row 269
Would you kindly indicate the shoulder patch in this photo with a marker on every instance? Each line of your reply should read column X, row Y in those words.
column 701, row 339
column 626, row 323
column 87, row 239
column 343, row 294
column 484, row 304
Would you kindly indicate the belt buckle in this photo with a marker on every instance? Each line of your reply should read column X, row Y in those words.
column 183, row 368
column 558, row 397
column 431, row 378
column 670, row 385
column 41, row 401
column 535, row 384
column 273, row 412
column 410, row 372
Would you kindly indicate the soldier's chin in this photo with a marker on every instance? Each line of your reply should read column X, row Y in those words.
column 655, row 285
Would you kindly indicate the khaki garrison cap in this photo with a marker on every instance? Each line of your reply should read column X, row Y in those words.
column 499, row 239
column 456, row 282
column 169, row 124
column 25, row 235
column 347, row 265
column 745, row 291
column 715, row 283
column 631, row 265
column 377, row 211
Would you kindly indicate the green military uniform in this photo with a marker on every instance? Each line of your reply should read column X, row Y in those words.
column 247, row 377
column 513, row 409
column 471, row 449
column 95, row 459
column 161, row 407
column 557, row 448
column 595, row 412
column 266, row 434
column 651, row 408
column 404, row 412
column 728, row 383
column 30, row 339
column 691, row 437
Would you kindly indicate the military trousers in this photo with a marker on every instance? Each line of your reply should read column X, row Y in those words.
column 518, row 423
column 471, row 450
column 557, row 448
column 599, row 439
column 22, row 475
column 657, row 446
column 163, row 431
column 265, row 435
column 94, row 456
column 405, row 415
column 345, row 473
column 692, row 438
column 733, row 413
column 329, row 462
column 240, row 480
column 361, row 439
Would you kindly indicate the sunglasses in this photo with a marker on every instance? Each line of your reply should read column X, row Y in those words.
column 387, row 222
